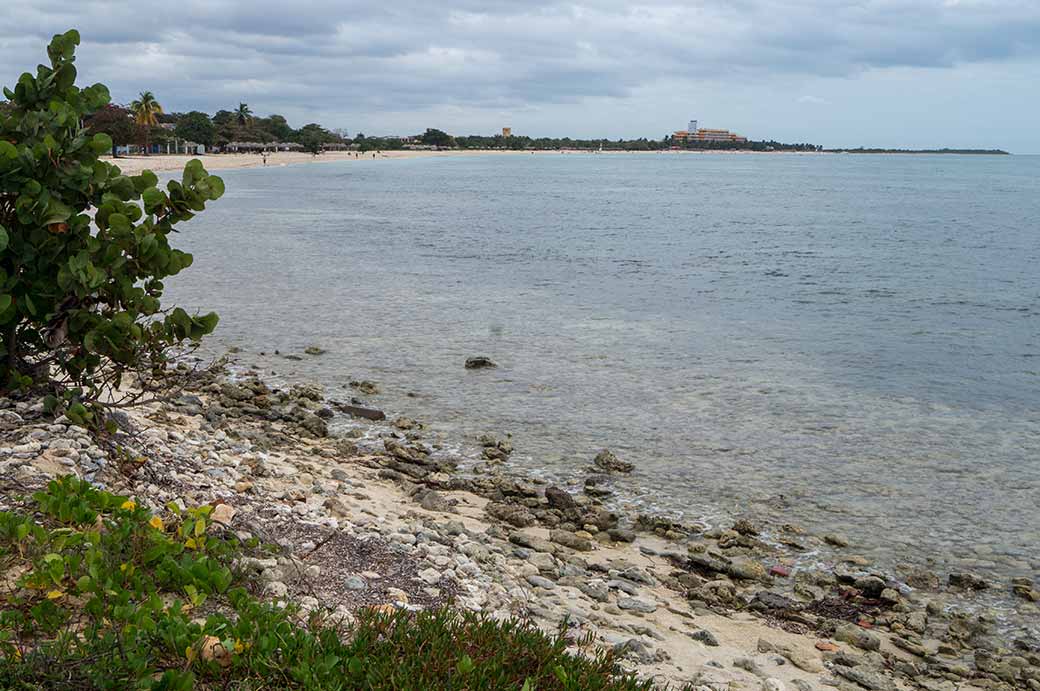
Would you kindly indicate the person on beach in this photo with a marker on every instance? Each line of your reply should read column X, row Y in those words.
column 263, row 155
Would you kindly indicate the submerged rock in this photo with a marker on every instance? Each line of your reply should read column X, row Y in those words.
column 596, row 486
column 480, row 362
column 366, row 387
column 360, row 411
column 967, row 581
column 606, row 460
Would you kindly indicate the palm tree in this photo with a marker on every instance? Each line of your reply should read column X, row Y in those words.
column 146, row 111
column 243, row 114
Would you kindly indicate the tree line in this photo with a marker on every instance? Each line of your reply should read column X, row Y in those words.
column 439, row 138
column 144, row 122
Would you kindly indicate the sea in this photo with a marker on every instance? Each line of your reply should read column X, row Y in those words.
column 847, row 343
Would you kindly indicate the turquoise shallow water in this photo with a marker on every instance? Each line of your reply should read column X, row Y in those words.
column 845, row 342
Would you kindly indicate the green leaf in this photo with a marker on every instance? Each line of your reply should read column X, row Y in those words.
column 7, row 149
column 57, row 212
column 101, row 143
column 153, row 198
column 465, row 665
column 4, row 238
column 145, row 180
column 216, row 187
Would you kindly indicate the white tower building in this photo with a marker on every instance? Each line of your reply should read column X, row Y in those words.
column 693, row 126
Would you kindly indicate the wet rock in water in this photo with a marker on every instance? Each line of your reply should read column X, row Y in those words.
column 496, row 449
column 663, row 526
column 408, row 454
column 361, row 412
column 1023, row 588
column 606, row 460
column 922, row 579
column 596, row 486
column 746, row 569
column 310, row 392
column 745, row 527
column 706, row 637
column 479, row 362
column 603, row 519
column 967, row 581
column 836, row 540
column 870, row 586
column 512, row 514
column 890, row 596
column 315, row 425
column 366, row 387
column 560, row 499
column 314, row 350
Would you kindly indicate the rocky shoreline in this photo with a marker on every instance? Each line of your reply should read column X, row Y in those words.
column 380, row 517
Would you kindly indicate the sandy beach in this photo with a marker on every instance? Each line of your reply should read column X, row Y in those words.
column 132, row 165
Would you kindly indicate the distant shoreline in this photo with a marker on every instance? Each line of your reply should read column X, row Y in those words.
column 955, row 152
column 133, row 165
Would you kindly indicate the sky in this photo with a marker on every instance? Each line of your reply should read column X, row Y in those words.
column 841, row 73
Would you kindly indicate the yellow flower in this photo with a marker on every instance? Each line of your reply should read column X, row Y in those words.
column 156, row 523
column 238, row 646
column 54, row 594
column 190, row 543
column 189, row 653
column 129, row 505
column 122, row 567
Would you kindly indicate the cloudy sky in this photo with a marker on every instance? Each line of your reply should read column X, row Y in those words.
column 906, row 73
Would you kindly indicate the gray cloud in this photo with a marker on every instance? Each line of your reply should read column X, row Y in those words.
column 358, row 56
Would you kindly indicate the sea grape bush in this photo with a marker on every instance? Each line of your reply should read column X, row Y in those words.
column 84, row 249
